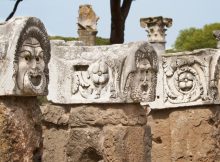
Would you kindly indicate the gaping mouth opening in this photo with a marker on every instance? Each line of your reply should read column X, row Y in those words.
column 35, row 79
column 144, row 87
column 186, row 89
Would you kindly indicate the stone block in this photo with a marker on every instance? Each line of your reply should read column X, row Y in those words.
column 20, row 129
column 84, row 145
column 189, row 79
column 123, row 73
column 55, row 141
column 128, row 144
column 112, row 143
column 24, row 56
column 87, row 37
column 54, row 114
column 184, row 135
column 101, row 115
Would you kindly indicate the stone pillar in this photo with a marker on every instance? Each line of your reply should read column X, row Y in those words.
column 88, row 37
column 176, row 134
column 156, row 28
column 216, row 34
column 87, row 25
column 24, row 56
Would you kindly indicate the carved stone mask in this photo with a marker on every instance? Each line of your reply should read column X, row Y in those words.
column 143, row 69
column 143, row 78
column 30, row 75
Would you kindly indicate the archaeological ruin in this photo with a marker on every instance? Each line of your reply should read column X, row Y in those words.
column 128, row 102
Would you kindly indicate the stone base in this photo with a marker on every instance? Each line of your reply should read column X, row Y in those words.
column 88, row 37
column 96, row 133
column 185, row 135
column 20, row 129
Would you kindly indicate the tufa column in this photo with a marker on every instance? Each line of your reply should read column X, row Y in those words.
column 87, row 25
column 156, row 28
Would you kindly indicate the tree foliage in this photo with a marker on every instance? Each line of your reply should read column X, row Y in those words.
column 195, row 38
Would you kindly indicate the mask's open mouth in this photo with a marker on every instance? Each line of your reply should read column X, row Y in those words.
column 144, row 87
column 35, row 79
column 34, row 82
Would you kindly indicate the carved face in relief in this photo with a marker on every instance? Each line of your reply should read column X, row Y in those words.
column 143, row 74
column 142, row 80
column 30, row 75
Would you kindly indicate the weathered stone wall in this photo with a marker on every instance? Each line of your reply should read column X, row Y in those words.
column 186, row 134
column 75, row 133
column 106, row 132
column 20, row 129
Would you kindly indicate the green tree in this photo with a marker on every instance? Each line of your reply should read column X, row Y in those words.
column 195, row 38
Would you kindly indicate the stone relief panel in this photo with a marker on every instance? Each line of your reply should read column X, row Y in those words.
column 24, row 57
column 103, row 74
column 189, row 78
column 91, row 81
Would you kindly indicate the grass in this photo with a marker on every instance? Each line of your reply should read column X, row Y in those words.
column 99, row 40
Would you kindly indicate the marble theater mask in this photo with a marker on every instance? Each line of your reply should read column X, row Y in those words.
column 30, row 75
column 24, row 57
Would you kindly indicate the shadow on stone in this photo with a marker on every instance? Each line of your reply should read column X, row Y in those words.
column 91, row 155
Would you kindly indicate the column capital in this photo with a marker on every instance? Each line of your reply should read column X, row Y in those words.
column 156, row 27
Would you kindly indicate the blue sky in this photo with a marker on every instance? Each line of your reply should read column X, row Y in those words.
column 60, row 16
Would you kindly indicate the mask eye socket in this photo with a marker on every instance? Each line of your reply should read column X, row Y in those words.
column 27, row 58
column 25, row 55
column 37, row 59
column 40, row 56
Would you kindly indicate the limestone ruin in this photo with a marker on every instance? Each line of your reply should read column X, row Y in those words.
column 102, row 74
column 100, row 97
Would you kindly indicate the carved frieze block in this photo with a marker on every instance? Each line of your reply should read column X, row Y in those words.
column 24, row 57
column 102, row 74
column 189, row 78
